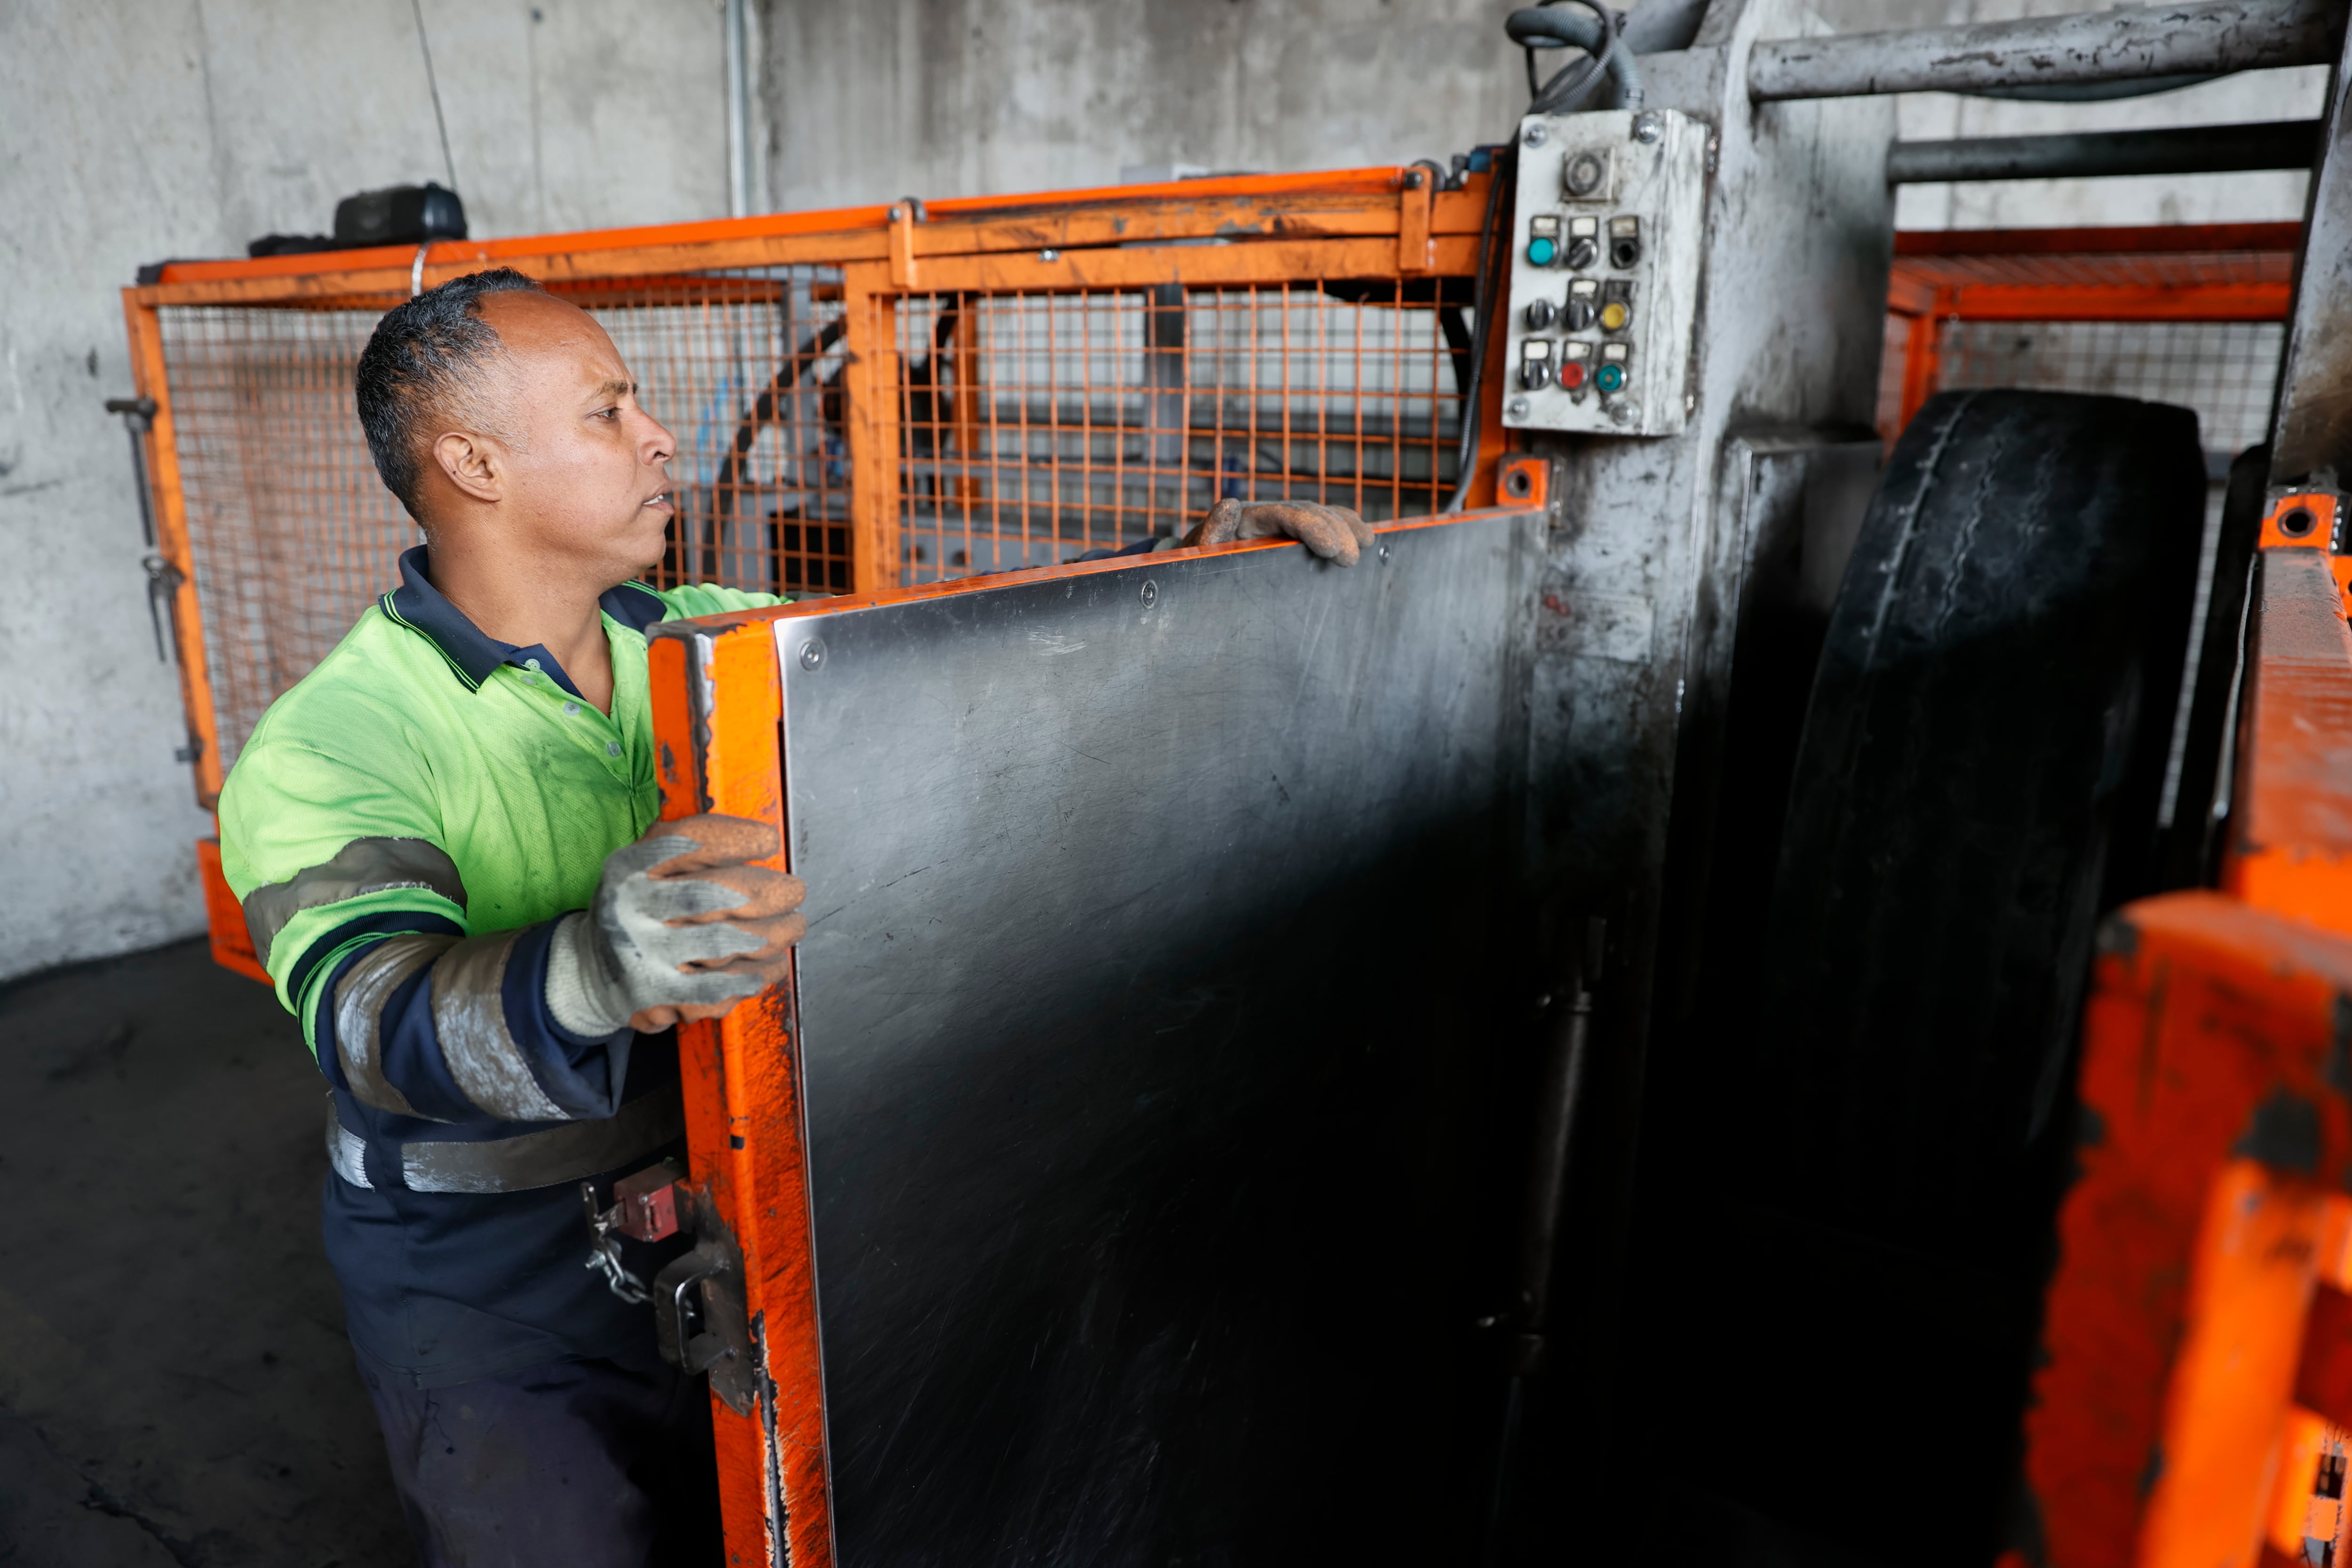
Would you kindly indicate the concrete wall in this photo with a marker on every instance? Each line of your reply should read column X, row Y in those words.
column 941, row 98
column 135, row 130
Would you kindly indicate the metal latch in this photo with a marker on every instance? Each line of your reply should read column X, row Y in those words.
column 702, row 1320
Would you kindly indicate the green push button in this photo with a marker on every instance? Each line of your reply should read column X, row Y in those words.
column 1541, row 251
column 1610, row 378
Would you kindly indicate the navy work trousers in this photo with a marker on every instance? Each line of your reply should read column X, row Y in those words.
column 589, row 1464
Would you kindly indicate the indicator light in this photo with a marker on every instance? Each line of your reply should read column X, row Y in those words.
column 1610, row 378
column 1614, row 315
column 1540, row 251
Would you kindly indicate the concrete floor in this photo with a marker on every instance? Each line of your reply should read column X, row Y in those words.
column 176, row 1387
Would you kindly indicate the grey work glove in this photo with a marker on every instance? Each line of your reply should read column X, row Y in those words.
column 683, row 927
column 1333, row 532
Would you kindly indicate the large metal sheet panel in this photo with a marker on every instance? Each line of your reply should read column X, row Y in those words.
column 1161, row 950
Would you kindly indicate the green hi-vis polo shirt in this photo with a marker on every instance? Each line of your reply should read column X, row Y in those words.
column 426, row 781
column 418, row 726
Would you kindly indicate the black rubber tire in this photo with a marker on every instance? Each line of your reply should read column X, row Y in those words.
column 1978, row 782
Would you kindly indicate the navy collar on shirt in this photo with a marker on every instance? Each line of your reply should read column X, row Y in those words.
column 472, row 654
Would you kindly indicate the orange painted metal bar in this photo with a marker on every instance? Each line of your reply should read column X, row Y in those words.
column 2119, row 241
column 1305, row 262
column 2213, row 1133
column 2198, row 1335
column 232, row 943
column 2122, row 302
column 718, row 702
column 2291, row 815
column 150, row 379
column 1923, row 365
column 1354, row 202
column 870, row 382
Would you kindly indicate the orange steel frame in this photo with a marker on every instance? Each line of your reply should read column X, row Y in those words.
column 1392, row 223
column 741, row 1073
column 1923, row 295
column 2198, row 1335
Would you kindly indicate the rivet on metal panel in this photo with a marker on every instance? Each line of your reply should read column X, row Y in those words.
column 1533, row 136
column 811, row 654
column 1384, row 552
column 1648, row 127
column 1049, row 254
column 1518, row 407
column 1150, row 594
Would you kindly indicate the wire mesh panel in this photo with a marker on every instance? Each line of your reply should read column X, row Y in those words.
column 744, row 370
column 292, row 535
column 2223, row 370
column 1034, row 427
column 1003, row 429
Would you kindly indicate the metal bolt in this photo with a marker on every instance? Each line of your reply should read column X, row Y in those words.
column 811, row 654
column 1648, row 127
column 1534, row 137
column 1624, row 411
column 1517, row 408
column 1384, row 552
column 1049, row 255
column 895, row 215
column 1150, row 592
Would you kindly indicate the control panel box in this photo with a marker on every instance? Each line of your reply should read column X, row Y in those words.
column 1605, row 272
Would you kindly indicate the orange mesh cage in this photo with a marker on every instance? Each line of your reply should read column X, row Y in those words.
column 2187, row 314
column 861, row 399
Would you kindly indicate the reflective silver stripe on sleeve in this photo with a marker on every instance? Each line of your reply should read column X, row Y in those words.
column 469, row 1014
column 552, row 1158
column 360, row 999
column 363, row 866
column 346, row 1149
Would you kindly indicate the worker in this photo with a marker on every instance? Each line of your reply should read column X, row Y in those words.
column 443, row 838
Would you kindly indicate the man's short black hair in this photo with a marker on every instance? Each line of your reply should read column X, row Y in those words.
column 427, row 354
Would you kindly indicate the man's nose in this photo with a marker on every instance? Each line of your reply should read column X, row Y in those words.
column 656, row 443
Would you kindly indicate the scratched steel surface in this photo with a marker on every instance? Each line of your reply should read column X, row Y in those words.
column 1150, row 1009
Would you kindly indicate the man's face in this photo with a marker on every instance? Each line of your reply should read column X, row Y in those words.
column 589, row 481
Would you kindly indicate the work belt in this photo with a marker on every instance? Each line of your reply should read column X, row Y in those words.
column 549, row 1158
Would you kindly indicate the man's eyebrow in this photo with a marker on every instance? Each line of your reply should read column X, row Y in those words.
column 617, row 389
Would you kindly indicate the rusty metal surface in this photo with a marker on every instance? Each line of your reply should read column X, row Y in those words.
column 2206, row 36
column 1146, row 1007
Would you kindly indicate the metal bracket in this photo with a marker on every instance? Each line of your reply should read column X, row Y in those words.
column 708, row 1329
column 138, row 418
column 163, row 581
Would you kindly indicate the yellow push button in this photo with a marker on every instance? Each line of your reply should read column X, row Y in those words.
column 1614, row 315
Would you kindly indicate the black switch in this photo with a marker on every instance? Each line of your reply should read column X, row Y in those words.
column 1579, row 312
column 1539, row 313
column 1583, row 252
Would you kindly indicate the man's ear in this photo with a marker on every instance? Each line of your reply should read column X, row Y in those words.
column 475, row 463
